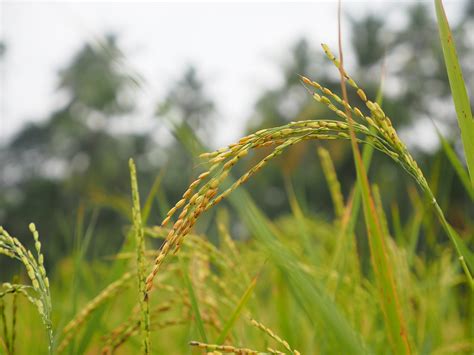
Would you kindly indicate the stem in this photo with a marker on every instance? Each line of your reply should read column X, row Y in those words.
column 450, row 232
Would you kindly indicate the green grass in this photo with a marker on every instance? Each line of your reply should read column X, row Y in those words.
column 458, row 87
column 302, row 276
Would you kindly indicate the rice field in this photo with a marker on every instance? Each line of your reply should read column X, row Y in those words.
column 297, row 284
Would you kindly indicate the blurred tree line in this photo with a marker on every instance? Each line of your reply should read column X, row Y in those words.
column 68, row 173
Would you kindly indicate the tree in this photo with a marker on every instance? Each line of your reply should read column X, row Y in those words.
column 71, row 159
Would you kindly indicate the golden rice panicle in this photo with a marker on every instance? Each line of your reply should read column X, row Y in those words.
column 184, row 198
column 383, row 121
column 384, row 126
column 194, row 203
column 337, row 63
column 327, row 98
column 222, row 162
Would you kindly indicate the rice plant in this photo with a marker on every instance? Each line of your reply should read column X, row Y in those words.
column 298, row 284
column 38, row 292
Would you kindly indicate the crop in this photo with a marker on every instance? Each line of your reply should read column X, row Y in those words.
column 299, row 284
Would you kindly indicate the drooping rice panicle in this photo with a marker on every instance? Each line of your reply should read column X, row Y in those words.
column 203, row 193
column 221, row 163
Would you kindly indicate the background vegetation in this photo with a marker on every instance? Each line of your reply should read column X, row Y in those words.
column 288, row 250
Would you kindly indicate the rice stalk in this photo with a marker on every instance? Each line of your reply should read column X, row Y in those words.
column 381, row 260
column 458, row 87
column 140, row 254
column 14, row 318
column 223, row 348
column 3, row 319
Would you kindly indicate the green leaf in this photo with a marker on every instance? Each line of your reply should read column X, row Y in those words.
column 457, row 165
column 238, row 310
column 309, row 291
column 151, row 196
column 458, row 87
column 193, row 299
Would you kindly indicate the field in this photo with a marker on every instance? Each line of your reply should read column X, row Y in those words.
column 297, row 284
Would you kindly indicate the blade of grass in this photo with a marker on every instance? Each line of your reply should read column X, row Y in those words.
column 82, row 241
column 345, row 256
column 151, row 196
column 413, row 228
column 299, row 215
column 193, row 299
column 458, row 87
column 312, row 297
column 397, row 224
column 466, row 257
column 456, row 163
column 237, row 311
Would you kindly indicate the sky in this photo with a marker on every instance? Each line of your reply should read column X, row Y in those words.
column 237, row 48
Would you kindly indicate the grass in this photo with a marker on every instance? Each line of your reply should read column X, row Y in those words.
column 299, row 281
column 458, row 87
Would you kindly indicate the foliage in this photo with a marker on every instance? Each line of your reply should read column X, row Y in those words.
column 299, row 278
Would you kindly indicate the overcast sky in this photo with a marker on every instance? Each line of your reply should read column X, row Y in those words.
column 237, row 48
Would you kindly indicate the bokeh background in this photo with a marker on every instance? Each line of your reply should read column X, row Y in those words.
column 86, row 86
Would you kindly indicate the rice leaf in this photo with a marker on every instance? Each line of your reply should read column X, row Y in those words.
column 317, row 304
column 193, row 299
column 237, row 311
column 458, row 87
column 151, row 196
column 457, row 165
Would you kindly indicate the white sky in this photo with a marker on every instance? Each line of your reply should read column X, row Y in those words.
column 235, row 46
